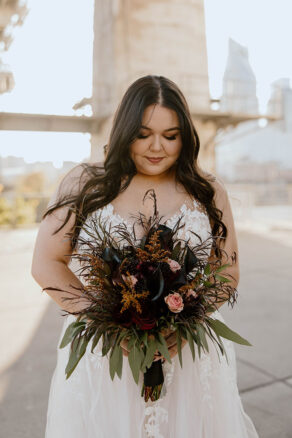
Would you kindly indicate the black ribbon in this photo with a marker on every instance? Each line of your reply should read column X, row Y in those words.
column 154, row 375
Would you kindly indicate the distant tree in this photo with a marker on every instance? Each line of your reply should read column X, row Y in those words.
column 33, row 182
column 25, row 211
column 5, row 212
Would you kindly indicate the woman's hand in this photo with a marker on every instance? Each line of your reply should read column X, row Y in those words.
column 170, row 338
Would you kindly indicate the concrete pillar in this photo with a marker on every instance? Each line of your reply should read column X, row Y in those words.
column 137, row 37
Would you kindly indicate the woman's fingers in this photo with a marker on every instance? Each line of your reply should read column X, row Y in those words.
column 171, row 343
column 125, row 352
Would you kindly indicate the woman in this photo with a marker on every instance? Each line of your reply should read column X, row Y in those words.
column 152, row 144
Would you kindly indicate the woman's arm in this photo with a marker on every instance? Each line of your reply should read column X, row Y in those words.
column 52, row 251
column 230, row 244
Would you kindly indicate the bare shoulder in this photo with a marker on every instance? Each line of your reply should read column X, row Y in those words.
column 216, row 182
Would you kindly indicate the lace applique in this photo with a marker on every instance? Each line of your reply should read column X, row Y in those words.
column 157, row 415
column 205, row 370
column 195, row 221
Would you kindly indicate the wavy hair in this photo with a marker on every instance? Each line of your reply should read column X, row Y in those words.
column 100, row 184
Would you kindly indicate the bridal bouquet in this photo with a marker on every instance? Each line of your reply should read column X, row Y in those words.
column 140, row 289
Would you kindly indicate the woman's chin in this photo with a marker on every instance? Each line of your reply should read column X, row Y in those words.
column 155, row 170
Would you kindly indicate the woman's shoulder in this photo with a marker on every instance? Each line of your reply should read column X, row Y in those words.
column 218, row 185
column 216, row 181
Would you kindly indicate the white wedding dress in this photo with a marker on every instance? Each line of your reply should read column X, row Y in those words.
column 201, row 400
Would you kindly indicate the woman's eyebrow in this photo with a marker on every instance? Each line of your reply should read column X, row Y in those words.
column 166, row 130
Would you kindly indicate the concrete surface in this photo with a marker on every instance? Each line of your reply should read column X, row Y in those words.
column 30, row 326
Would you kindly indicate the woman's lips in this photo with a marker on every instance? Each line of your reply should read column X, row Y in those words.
column 154, row 160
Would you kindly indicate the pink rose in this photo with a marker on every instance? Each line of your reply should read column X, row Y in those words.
column 174, row 302
column 132, row 279
column 192, row 293
column 174, row 266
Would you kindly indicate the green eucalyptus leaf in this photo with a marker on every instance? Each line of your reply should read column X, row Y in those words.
column 78, row 348
column 202, row 336
column 178, row 342
column 96, row 338
column 144, row 339
column 191, row 343
column 208, row 283
column 163, row 348
column 221, row 329
column 150, row 351
column 116, row 361
column 221, row 268
column 71, row 331
column 135, row 362
column 222, row 279
column 207, row 269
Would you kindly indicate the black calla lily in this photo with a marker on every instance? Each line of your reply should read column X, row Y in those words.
column 190, row 261
column 155, row 284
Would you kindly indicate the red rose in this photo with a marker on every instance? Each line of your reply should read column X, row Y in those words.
column 144, row 323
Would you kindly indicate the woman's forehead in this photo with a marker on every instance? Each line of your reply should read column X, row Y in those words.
column 159, row 117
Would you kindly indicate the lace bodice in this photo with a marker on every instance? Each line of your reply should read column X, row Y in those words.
column 194, row 219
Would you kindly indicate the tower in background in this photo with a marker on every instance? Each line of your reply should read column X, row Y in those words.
column 133, row 38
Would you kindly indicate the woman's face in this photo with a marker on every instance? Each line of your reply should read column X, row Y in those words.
column 159, row 143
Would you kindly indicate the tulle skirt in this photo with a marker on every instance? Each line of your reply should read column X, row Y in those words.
column 200, row 400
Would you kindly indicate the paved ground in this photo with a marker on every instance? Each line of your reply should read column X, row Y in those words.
column 30, row 325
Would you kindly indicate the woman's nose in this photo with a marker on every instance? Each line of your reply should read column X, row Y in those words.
column 155, row 144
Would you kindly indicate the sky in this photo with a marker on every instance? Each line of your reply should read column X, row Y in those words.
column 51, row 57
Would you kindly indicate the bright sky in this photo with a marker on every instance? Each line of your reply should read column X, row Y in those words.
column 51, row 60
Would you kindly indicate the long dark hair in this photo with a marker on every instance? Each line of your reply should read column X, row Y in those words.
column 102, row 183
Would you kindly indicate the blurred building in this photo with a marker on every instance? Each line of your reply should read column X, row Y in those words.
column 12, row 14
column 133, row 39
column 13, row 169
column 239, row 82
column 253, row 151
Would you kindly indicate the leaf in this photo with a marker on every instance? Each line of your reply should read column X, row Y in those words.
column 207, row 269
column 70, row 333
column 213, row 339
column 116, row 361
column 120, row 363
column 178, row 342
column 142, row 242
column 96, row 338
column 176, row 251
column 163, row 348
column 221, row 278
column 221, row 268
column 144, row 339
column 150, row 351
column 135, row 362
column 202, row 336
column 221, row 329
column 208, row 283
column 191, row 343
column 77, row 351
column 190, row 260
column 108, row 342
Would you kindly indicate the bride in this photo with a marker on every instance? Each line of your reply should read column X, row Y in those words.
column 153, row 144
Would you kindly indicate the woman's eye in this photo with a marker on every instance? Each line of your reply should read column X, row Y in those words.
column 173, row 137
column 142, row 136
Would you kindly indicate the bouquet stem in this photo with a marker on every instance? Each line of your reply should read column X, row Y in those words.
column 153, row 382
